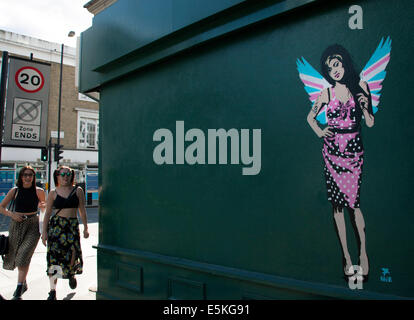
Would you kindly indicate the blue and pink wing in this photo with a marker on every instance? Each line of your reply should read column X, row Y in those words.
column 374, row 71
column 314, row 84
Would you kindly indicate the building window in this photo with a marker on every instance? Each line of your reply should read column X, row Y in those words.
column 88, row 129
column 83, row 97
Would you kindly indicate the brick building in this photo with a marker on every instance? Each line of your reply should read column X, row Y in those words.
column 79, row 113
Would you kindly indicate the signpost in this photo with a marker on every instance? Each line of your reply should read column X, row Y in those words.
column 27, row 103
column 3, row 79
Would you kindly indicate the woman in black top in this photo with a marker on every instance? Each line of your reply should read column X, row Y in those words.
column 64, row 254
column 24, row 226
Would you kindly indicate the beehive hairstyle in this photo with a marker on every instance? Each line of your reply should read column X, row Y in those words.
column 350, row 79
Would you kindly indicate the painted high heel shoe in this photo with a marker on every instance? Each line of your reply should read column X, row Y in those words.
column 348, row 268
column 364, row 265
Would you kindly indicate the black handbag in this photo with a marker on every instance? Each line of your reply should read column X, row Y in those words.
column 4, row 245
column 4, row 240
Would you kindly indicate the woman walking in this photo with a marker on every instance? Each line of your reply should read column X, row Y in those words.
column 61, row 231
column 24, row 226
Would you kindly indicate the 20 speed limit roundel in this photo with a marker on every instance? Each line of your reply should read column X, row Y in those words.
column 29, row 79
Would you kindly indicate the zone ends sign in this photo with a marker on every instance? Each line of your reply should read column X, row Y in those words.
column 27, row 103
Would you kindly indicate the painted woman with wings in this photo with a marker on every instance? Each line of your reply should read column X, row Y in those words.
column 343, row 101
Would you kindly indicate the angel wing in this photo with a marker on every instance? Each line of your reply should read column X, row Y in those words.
column 314, row 84
column 374, row 71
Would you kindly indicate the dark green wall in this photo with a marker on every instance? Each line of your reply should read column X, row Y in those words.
column 207, row 231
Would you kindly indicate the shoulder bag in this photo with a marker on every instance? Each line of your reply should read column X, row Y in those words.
column 4, row 244
column 4, row 240
column 64, row 203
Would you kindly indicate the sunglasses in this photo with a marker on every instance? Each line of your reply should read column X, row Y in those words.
column 28, row 174
column 68, row 174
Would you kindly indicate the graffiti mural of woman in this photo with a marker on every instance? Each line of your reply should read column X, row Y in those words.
column 343, row 100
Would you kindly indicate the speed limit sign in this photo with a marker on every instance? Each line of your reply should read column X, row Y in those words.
column 29, row 79
column 27, row 103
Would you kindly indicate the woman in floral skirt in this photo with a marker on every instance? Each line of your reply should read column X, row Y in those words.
column 61, row 231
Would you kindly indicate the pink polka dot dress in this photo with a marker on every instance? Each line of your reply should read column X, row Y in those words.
column 343, row 153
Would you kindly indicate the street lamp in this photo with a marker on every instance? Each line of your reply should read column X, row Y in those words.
column 70, row 34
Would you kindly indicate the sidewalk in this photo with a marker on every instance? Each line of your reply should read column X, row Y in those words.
column 38, row 282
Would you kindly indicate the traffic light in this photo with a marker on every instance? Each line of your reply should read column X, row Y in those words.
column 43, row 156
column 58, row 151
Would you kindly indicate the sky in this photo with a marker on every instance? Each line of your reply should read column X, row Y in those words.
column 49, row 20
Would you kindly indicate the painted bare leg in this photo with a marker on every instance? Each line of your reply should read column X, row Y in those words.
column 363, row 257
column 341, row 231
